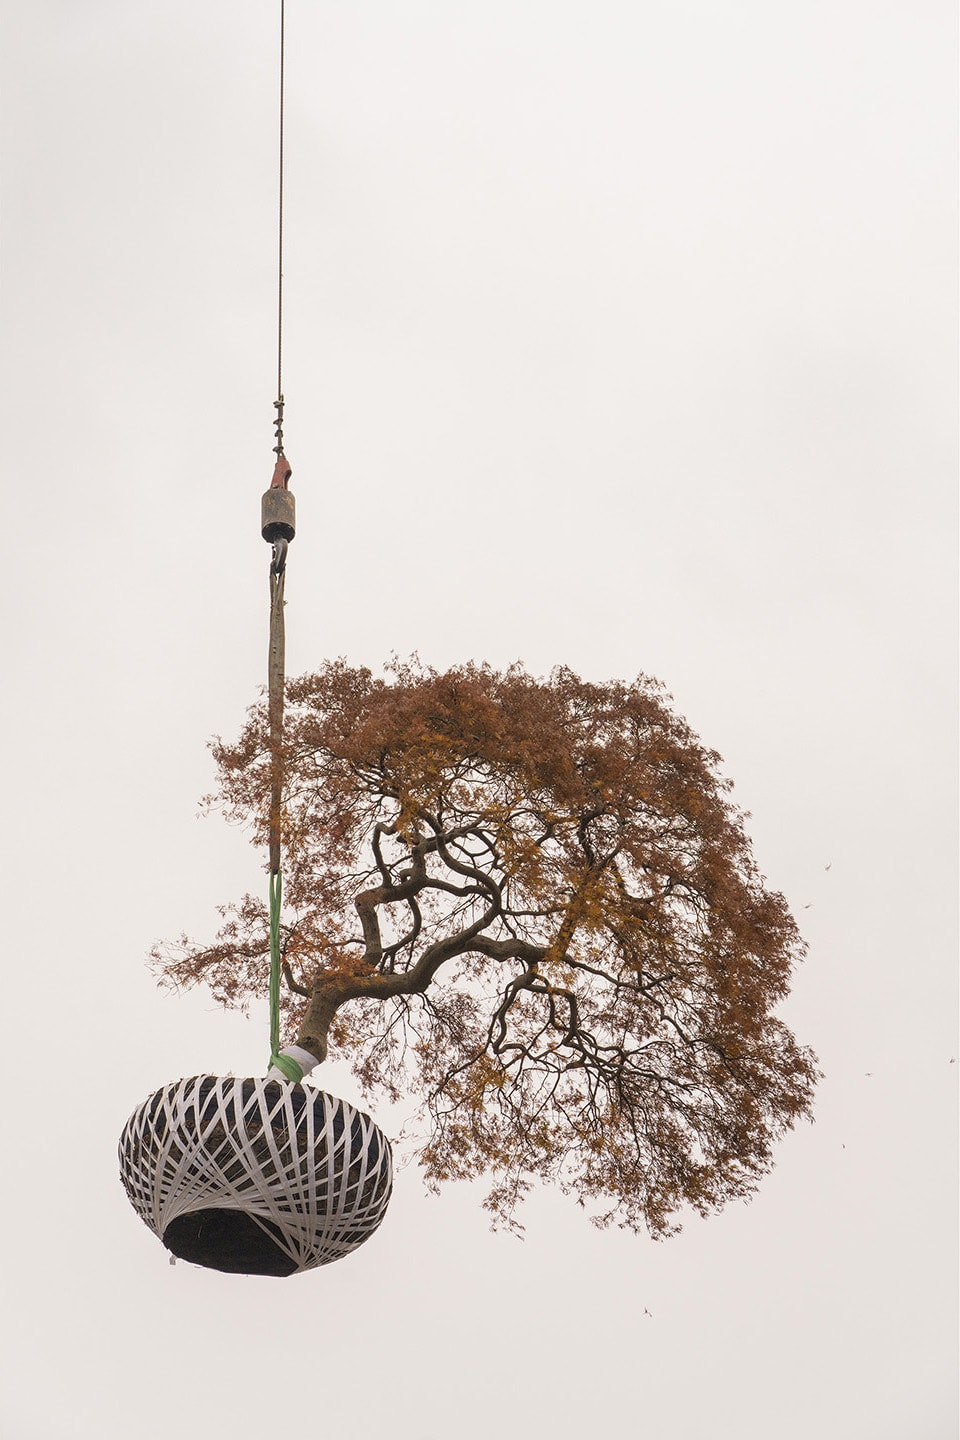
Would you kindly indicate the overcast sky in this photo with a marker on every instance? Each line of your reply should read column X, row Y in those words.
column 619, row 335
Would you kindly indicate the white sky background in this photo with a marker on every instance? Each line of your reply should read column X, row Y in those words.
column 620, row 335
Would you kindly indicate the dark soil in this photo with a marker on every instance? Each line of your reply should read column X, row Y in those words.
column 229, row 1240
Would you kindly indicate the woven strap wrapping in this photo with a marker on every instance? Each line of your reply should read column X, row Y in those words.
column 305, row 1171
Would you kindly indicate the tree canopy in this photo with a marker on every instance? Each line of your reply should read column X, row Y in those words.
column 533, row 904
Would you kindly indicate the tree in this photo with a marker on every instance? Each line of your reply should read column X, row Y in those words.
column 535, row 902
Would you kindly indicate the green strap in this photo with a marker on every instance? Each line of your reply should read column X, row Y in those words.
column 289, row 1066
column 284, row 1063
column 276, row 892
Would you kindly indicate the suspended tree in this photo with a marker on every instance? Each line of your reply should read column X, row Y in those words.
column 532, row 904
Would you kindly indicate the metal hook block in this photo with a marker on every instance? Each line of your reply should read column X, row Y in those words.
column 278, row 515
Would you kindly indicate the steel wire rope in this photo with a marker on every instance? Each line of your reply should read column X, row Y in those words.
column 279, row 399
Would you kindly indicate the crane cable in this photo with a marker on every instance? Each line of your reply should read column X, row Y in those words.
column 278, row 403
column 278, row 528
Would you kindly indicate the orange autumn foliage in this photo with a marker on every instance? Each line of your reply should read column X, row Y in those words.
column 533, row 904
